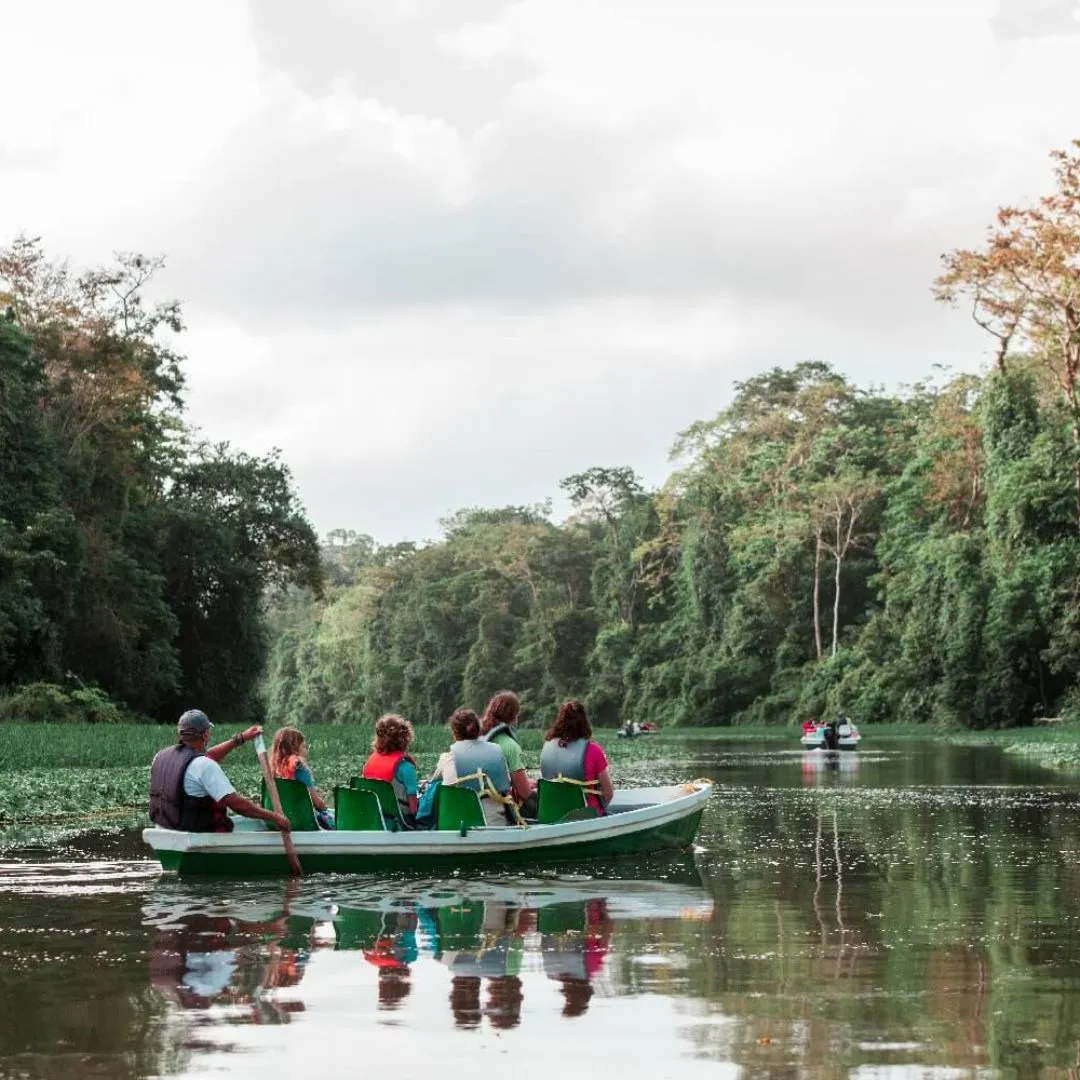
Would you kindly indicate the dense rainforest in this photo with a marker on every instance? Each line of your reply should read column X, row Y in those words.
column 911, row 555
column 135, row 560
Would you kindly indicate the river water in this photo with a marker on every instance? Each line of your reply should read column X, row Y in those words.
column 908, row 910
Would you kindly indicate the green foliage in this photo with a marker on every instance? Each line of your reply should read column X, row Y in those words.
column 907, row 558
column 47, row 703
column 131, row 558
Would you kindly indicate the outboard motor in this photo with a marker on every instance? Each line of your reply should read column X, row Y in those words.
column 830, row 735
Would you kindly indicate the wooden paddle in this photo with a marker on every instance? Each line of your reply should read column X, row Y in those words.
column 286, row 837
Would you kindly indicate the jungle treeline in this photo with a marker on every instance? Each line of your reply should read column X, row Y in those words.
column 819, row 546
column 135, row 560
column 910, row 555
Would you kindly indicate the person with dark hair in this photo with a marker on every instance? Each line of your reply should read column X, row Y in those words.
column 471, row 755
column 188, row 788
column 498, row 727
column 570, row 752
column 390, row 760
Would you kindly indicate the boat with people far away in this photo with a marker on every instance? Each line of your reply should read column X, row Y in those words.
column 632, row 729
column 838, row 734
column 638, row 821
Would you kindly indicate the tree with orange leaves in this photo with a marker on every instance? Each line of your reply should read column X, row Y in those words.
column 1024, row 286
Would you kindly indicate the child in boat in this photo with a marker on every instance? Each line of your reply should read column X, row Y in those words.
column 570, row 752
column 390, row 760
column 288, row 761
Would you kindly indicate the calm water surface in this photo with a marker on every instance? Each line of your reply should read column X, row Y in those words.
column 906, row 911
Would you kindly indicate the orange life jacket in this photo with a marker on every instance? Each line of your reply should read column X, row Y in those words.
column 287, row 771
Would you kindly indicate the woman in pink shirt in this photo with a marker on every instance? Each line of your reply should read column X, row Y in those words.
column 570, row 752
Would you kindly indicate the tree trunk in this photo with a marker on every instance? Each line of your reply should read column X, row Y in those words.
column 836, row 603
column 817, row 594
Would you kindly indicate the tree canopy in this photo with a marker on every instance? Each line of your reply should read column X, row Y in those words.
column 133, row 558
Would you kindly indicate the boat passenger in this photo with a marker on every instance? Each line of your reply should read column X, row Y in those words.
column 288, row 761
column 498, row 726
column 471, row 754
column 188, row 788
column 390, row 760
column 570, row 752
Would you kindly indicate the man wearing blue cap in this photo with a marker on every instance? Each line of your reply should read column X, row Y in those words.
column 188, row 788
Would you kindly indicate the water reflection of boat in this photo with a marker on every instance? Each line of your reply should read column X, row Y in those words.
column 816, row 766
column 210, row 952
column 639, row 821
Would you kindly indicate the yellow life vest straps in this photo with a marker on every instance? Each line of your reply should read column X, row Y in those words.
column 590, row 787
column 489, row 791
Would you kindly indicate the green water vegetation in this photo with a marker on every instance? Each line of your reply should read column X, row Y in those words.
column 1054, row 746
column 910, row 556
column 78, row 774
column 134, row 559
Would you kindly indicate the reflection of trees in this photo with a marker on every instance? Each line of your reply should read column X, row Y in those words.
column 928, row 917
column 61, row 988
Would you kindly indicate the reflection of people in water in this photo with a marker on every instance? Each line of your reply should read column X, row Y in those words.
column 465, row 1000
column 574, row 945
column 392, row 952
column 203, row 962
column 477, row 940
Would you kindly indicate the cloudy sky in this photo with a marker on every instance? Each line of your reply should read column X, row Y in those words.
column 445, row 252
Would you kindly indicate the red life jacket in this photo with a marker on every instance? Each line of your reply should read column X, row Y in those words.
column 382, row 766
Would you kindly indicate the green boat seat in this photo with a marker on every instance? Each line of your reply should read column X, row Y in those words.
column 562, row 918
column 554, row 800
column 458, row 808
column 461, row 925
column 356, row 928
column 384, row 791
column 295, row 804
column 298, row 930
column 356, row 810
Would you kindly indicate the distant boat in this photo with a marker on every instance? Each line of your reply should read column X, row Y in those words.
column 631, row 731
column 839, row 734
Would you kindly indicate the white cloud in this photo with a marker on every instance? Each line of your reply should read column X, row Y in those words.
column 401, row 229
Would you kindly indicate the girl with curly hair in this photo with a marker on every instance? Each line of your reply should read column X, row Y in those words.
column 390, row 760
column 288, row 761
column 569, row 751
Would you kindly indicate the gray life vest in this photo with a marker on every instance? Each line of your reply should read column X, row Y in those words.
column 569, row 761
column 170, row 807
column 499, row 729
column 475, row 755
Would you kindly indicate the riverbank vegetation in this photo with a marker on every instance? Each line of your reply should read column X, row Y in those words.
column 910, row 556
column 134, row 559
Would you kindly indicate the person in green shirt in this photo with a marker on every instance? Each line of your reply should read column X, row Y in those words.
column 498, row 727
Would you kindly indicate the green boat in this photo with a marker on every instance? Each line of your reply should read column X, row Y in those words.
column 639, row 821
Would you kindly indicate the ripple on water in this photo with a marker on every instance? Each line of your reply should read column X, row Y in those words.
column 81, row 878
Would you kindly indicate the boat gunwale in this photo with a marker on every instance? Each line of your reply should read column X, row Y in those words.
column 479, row 840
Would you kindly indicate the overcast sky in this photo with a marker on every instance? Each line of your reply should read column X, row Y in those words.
column 445, row 252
